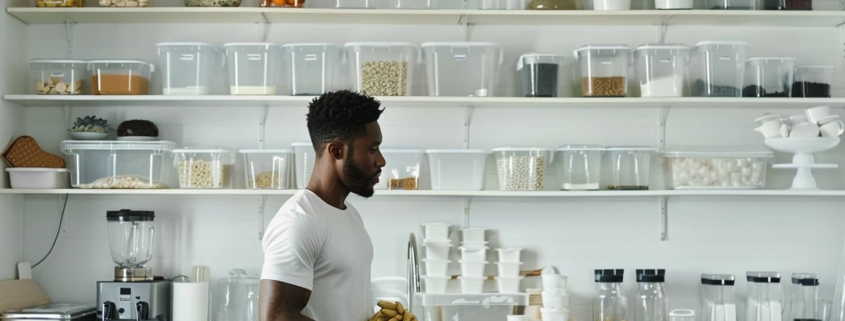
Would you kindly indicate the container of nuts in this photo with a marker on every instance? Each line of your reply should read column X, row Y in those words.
column 117, row 164
column 522, row 169
column 402, row 171
column 381, row 68
column 604, row 70
column 58, row 77
column 267, row 168
column 204, row 168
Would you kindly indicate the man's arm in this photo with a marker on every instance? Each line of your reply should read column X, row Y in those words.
column 279, row 301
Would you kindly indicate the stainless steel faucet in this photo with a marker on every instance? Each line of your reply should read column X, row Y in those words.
column 413, row 271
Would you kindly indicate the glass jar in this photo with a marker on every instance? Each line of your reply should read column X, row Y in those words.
column 765, row 297
column 718, row 299
column 652, row 303
column 610, row 303
column 804, row 304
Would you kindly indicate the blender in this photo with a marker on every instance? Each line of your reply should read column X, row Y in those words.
column 134, row 293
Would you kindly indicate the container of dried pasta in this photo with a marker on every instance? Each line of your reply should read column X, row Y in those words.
column 402, row 169
column 117, row 164
column 120, row 77
column 58, row 77
column 267, row 168
column 204, row 168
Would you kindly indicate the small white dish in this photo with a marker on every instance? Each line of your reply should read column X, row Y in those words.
column 138, row 138
column 87, row 135
column 767, row 117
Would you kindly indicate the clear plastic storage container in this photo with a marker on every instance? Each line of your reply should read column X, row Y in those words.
column 415, row 4
column 117, row 164
column 212, row 3
column 661, row 69
column 282, row 3
column 611, row 5
column 402, row 170
column 123, row 3
column 120, row 77
column 717, row 68
column 502, row 4
column 254, row 68
column 768, row 77
column 58, row 77
column 188, row 68
column 310, row 68
column 539, row 74
column 354, row 4
column 304, row 163
column 522, row 169
column 59, row 3
column 204, row 168
column 604, row 70
column 673, row 4
column 381, row 68
column 732, row 4
column 765, row 297
column 581, row 165
column 462, row 68
column 651, row 303
column 788, row 4
column 610, row 302
column 462, row 306
column 457, row 169
column 813, row 81
column 267, row 168
column 716, row 168
column 554, row 5
column 630, row 167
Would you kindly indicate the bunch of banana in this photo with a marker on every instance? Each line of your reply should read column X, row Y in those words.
column 392, row 312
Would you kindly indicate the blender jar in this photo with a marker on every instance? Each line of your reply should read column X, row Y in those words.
column 804, row 298
column 539, row 74
column 631, row 167
column 581, row 167
column 718, row 301
column 765, row 297
column 716, row 68
column 610, row 303
column 768, row 77
column 652, row 303
column 661, row 69
column 813, row 81
column 604, row 70
column 130, row 237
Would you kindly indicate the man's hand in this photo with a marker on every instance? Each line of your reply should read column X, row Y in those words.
column 279, row 301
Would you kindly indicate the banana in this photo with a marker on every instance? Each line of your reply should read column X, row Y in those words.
column 387, row 305
column 389, row 312
column 399, row 308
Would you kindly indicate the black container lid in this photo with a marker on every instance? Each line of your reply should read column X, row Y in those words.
column 762, row 277
column 718, row 279
column 609, row 275
column 651, row 275
column 126, row 215
column 805, row 279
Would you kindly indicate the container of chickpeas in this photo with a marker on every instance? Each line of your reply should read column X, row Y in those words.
column 267, row 168
column 204, row 168
column 381, row 68
column 522, row 169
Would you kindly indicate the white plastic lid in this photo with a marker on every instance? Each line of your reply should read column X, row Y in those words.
column 771, row 58
column 459, row 44
column 719, row 152
column 233, row 44
column 265, row 151
column 522, row 59
column 663, row 46
column 379, row 44
column 403, row 151
column 202, row 151
column 301, row 144
column 51, row 61
column 722, row 43
column 37, row 169
column 521, row 149
column 600, row 47
column 576, row 147
column 456, row 151
column 195, row 44
column 68, row 145
column 152, row 67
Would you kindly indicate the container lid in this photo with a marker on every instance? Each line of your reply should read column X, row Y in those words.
column 152, row 67
column 771, row 58
column 631, row 148
column 719, row 152
column 609, row 275
column 126, row 215
column 265, row 151
column 664, row 46
column 403, row 151
column 805, row 279
column 316, row 44
column 379, row 44
column 580, row 147
column 763, row 277
column 521, row 149
column 456, row 151
column 718, row 279
column 532, row 58
column 459, row 44
column 266, row 44
column 651, row 275
column 723, row 43
column 197, row 44
column 202, row 151
column 69, row 145
column 600, row 47
column 53, row 61
column 37, row 169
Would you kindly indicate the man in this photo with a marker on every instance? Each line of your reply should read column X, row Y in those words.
column 317, row 254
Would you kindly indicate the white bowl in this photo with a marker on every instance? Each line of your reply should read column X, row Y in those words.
column 473, row 235
column 554, row 281
column 88, row 135
column 437, row 250
column 555, row 314
column 508, row 285
column 436, row 267
column 509, row 269
column 555, row 301
column 473, row 253
column 510, row 255
column 436, row 284
column 436, row 231
column 45, row 178
column 472, row 284
column 472, row 269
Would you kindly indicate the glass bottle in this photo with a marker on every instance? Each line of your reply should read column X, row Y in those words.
column 610, row 303
column 718, row 300
column 652, row 303
column 804, row 298
column 765, row 297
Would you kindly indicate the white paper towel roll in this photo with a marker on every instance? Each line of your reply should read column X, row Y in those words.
column 190, row 301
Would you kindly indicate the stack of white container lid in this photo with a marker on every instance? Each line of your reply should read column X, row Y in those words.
column 473, row 260
column 509, row 263
column 437, row 246
column 555, row 297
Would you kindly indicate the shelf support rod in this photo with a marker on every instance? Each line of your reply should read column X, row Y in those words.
column 262, row 125
column 662, row 219
column 265, row 28
column 262, row 203
column 663, row 115
column 465, row 216
column 468, row 111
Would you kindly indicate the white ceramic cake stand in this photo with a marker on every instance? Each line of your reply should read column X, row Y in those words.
column 804, row 161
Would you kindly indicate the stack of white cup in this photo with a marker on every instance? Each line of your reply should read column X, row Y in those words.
column 509, row 263
column 437, row 245
column 555, row 298
column 473, row 260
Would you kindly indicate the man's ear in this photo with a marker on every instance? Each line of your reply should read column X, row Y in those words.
column 335, row 150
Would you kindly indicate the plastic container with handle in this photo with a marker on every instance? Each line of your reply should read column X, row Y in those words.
column 254, row 68
column 462, row 68
column 58, row 77
column 604, row 70
column 661, row 69
column 189, row 68
column 381, row 68
column 120, row 77
column 311, row 69
column 717, row 67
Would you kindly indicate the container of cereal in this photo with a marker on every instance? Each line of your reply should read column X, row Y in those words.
column 117, row 164
column 204, row 168
column 267, row 168
column 254, row 68
column 581, row 166
column 630, row 167
column 768, row 77
column 188, row 68
column 661, row 69
column 120, row 77
column 304, row 156
column 311, row 68
column 717, row 68
column 402, row 171
column 521, row 169
column 381, row 68
column 462, row 68
column 457, row 169
column 58, row 77
column 716, row 168
column 539, row 74
column 59, row 3
column 124, row 3
column 604, row 70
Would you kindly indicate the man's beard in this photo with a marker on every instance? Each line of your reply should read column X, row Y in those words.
column 356, row 181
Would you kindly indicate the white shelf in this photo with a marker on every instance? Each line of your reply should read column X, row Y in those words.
column 422, row 101
column 504, row 17
column 431, row 193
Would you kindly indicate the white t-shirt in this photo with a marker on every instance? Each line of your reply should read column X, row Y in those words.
column 313, row 245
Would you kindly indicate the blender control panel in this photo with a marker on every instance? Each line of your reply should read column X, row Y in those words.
column 124, row 304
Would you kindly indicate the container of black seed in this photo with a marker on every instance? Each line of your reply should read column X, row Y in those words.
column 539, row 74
column 813, row 81
column 768, row 77
column 716, row 68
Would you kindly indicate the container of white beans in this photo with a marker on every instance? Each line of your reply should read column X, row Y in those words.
column 716, row 168
column 204, row 168
column 522, row 169
column 267, row 168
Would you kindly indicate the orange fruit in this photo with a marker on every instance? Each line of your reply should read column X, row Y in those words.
column 279, row 3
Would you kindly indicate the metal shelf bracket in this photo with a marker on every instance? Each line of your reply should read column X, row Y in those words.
column 465, row 214
column 262, row 125
column 69, row 24
column 262, row 205
column 662, row 218
column 468, row 112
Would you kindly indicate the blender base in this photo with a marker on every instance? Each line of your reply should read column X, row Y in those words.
column 127, row 274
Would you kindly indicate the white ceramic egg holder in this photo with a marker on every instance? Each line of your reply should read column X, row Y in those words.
column 803, row 161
